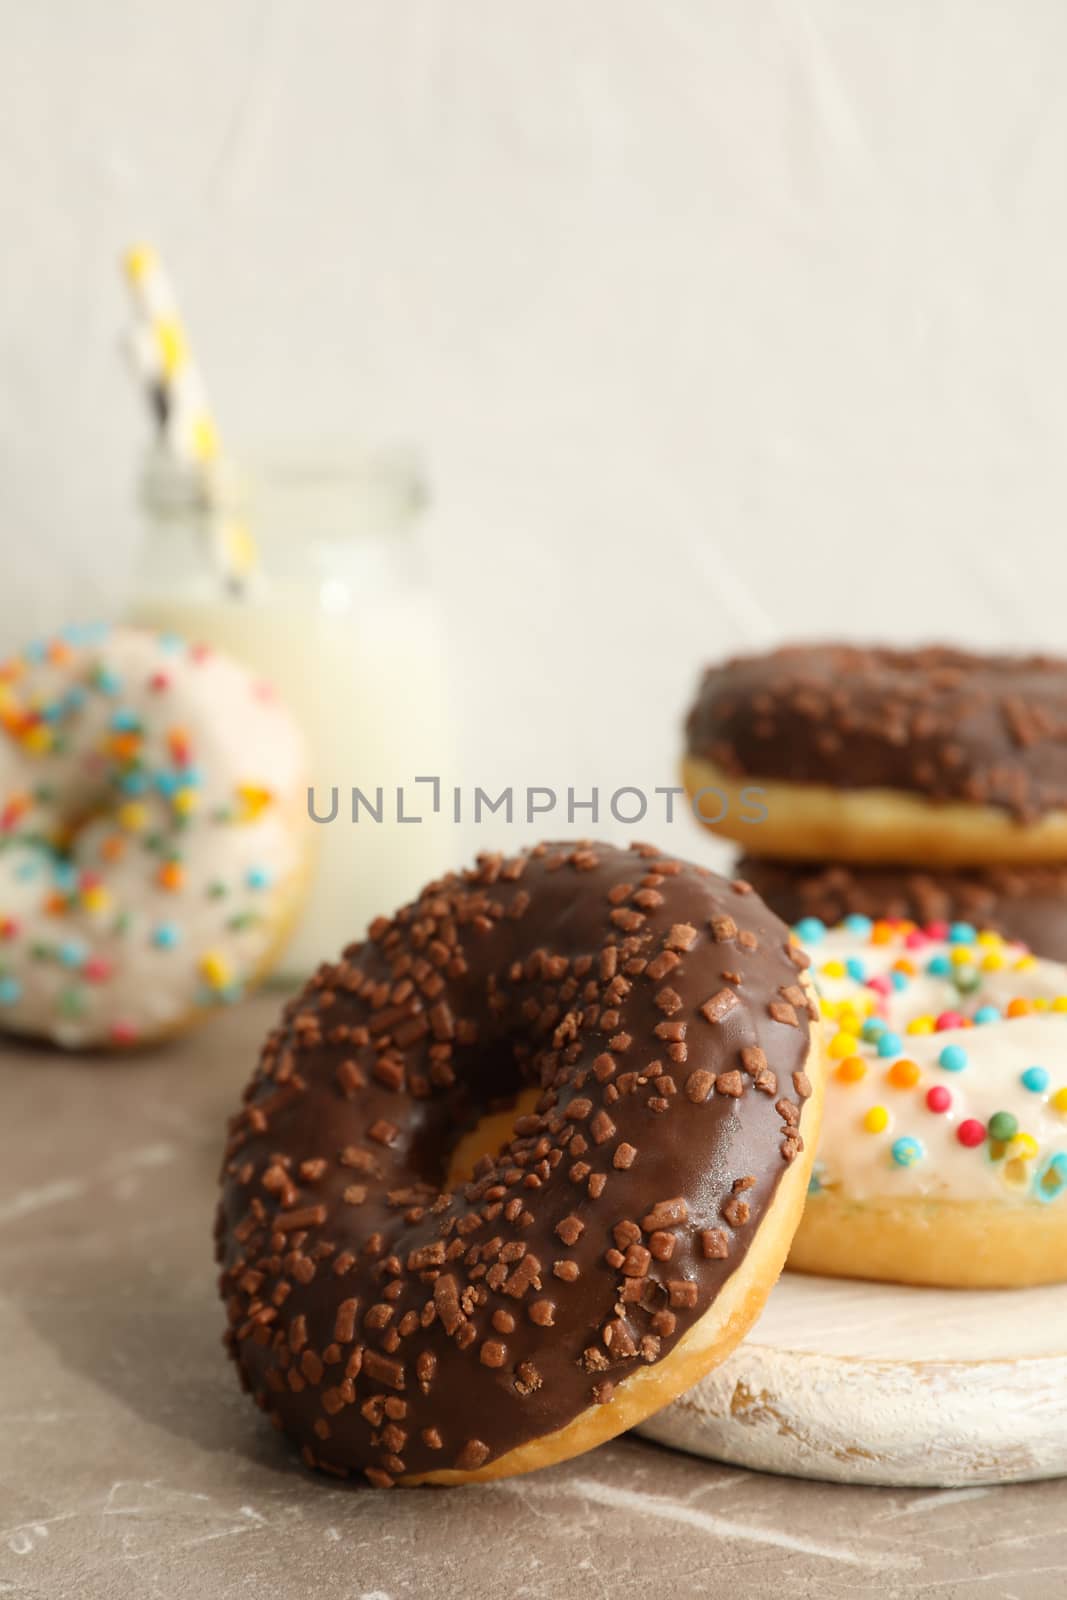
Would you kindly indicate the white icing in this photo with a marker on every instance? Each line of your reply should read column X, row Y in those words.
column 860, row 1164
column 91, row 972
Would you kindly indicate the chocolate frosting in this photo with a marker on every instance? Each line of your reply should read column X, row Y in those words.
column 935, row 721
column 393, row 1327
column 1026, row 903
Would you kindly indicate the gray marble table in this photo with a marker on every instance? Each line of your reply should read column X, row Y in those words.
column 131, row 1465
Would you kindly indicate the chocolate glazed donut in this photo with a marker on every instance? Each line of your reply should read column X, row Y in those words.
column 1027, row 903
column 882, row 756
column 415, row 1329
column 941, row 723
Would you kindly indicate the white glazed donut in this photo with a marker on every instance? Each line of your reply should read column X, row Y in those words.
column 151, row 854
column 943, row 1153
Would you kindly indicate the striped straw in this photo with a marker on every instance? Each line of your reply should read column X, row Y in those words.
column 159, row 351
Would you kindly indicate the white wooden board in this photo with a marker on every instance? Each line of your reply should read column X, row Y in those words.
column 877, row 1383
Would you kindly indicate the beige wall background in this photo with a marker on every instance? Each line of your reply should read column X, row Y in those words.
column 716, row 322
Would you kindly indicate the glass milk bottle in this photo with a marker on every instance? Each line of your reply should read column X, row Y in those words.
column 339, row 616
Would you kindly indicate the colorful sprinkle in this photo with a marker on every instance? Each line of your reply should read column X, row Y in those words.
column 1036, row 1079
column 170, row 876
column 876, row 1120
column 851, row 1070
column 254, row 800
column 904, row 1074
column 215, row 969
column 809, row 930
column 889, row 1044
column 243, row 920
column 907, row 1152
column 953, row 1058
column 72, row 1002
column 970, row 1133
column 1051, row 1180
column 180, row 746
column 938, row 1098
column 1003, row 1125
column 106, row 681
column 38, row 740
column 13, row 812
column 96, row 898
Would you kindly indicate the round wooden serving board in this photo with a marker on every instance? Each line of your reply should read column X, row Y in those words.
column 878, row 1383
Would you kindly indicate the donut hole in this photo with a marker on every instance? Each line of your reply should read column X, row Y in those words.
column 493, row 1131
column 73, row 826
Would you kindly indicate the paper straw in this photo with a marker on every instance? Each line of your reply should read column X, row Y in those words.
column 159, row 352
